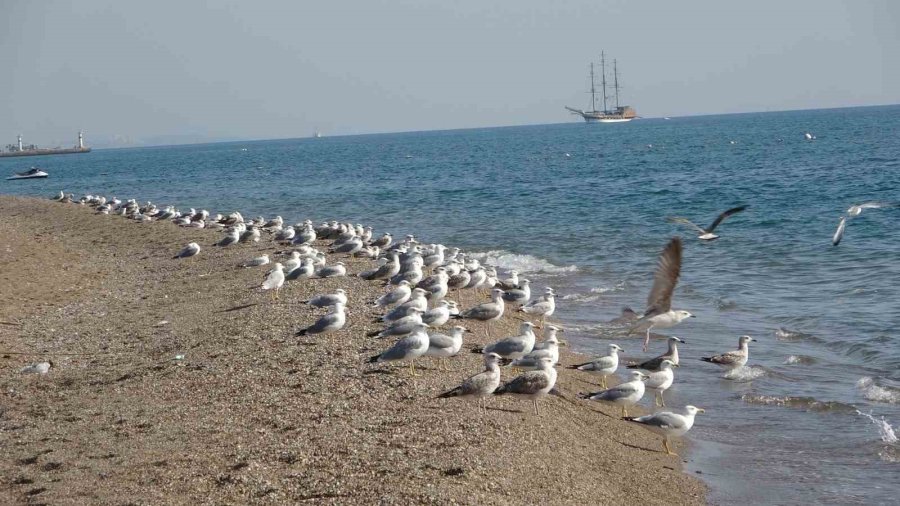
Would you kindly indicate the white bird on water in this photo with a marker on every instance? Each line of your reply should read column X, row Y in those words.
column 481, row 385
column 659, row 313
column 668, row 424
column 734, row 358
column 707, row 234
column 670, row 354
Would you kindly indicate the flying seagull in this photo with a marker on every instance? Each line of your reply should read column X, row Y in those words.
column 852, row 212
column 707, row 234
column 659, row 313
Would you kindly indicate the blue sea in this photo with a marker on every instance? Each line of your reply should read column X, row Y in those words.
column 583, row 207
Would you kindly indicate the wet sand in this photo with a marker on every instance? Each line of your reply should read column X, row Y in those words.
column 253, row 414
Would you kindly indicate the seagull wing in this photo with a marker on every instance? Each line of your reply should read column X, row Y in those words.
column 724, row 215
column 685, row 221
column 839, row 233
column 727, row 358
column 440, row 341
column 529, row 383
column 662, row 420
column 668, row 268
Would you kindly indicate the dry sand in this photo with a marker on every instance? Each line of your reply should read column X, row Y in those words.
column 252, row 414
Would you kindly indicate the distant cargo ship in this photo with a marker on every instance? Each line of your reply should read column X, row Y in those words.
column 32, row 150
column 620, row 114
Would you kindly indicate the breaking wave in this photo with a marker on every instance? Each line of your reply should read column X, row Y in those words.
column 784, row 334
column 522, row 263
column 878, row 393
column 805, row 403
column 746, row 373
column 799, row 359
column 885, row 431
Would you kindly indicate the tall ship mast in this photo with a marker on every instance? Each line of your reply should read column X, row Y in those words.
column 620, row 114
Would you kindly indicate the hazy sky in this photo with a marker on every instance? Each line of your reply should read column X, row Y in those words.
column 166, row 71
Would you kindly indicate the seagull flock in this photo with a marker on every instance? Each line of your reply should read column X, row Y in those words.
column 414, row 307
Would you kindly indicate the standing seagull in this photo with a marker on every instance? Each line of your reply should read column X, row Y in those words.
column 331, row 322
column 668, row 423
column 659, row 313
column 190, row 250
column 734, row 358
column 670, row 354
column 660, row 381
column 543, row 307
column 275, row 279
column 408, row 348
column 532, row 384
column 604, row 366
column 481, row 385
column 486, row 312
column 624, row 394
column 707, row 234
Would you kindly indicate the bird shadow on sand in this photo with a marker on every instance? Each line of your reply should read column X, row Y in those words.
column 636, row 447
column 505, row 410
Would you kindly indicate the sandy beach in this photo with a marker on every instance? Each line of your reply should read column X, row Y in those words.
column 251, row 413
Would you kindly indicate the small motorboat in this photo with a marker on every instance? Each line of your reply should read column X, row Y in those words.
column 34, row 173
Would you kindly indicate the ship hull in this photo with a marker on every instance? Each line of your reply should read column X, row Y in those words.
column 42, row 152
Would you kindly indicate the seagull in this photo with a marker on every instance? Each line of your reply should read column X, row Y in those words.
column 532, row 384
column 481, row 385
column 735, row 358
column 332, row 271
column 331, row 322
column 408, row 348
column 707, row 234
column 604, row 366
column 624, row 394
column 513, row 347
column 511, row 282
column 549, row 348
column 486, row 312
column 275, row 279
column 329, row 299
column 44, row 367
column 258, row 261
column 668, row 423
column 670, row 354
column 384, row 271
column 401, row 326
column 398, row 295
column 660, row 381
column 659, row 313
column 520, row 295
column 852, row 212
column 190, row 250
column 543, row 307
column 304, row 270
column 445, row 345
column 437, row 316
column 232, row 237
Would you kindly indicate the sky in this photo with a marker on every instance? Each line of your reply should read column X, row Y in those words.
column 164, row 72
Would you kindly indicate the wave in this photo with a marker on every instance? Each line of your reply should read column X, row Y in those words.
column 746, row 373
column 594, row 293
column 885, row 431
column 522, row 263
column 799, row 359
column 878, row 393
column 805, row 403
column 784, row 334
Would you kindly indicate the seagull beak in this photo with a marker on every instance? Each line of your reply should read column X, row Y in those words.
column 701, row 410
column 675, row 365
column 563, row 343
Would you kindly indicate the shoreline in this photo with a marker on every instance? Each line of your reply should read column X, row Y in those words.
column 253, row 413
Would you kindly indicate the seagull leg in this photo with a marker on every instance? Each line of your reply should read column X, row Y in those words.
column 536, row 412
column 666, row 446
column 624, row 411
column 603, row 382
column 647, row 339
column 662, row 400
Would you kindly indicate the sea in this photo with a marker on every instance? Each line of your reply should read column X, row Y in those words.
column 583, row 208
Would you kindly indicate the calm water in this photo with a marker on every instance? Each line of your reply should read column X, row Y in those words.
column 583, row 208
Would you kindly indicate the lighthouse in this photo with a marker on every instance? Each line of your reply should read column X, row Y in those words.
column 20, row 143
column 80, row 140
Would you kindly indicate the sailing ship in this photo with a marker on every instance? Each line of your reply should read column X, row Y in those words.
column 620, row 114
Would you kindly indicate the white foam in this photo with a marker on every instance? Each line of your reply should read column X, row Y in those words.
column 746, row 373
column 885, row 431
column 522, row 263
column 874, row 392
